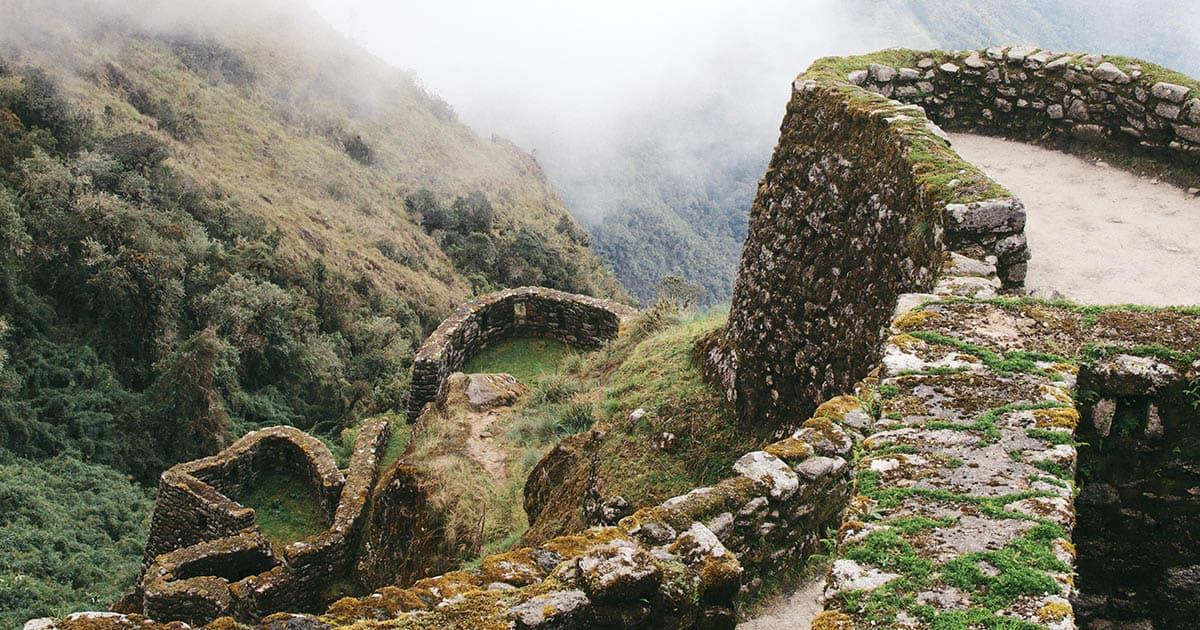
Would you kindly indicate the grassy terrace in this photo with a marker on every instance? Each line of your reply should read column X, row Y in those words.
column 285, row 508
column 524, row 357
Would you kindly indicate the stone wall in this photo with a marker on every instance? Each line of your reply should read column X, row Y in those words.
column 684, row 563
column 864, row 191
column 206, row 558
column 1138, row 537
column 1031, row 94
column 197, row 500
column 841, row 226
column 579, row 320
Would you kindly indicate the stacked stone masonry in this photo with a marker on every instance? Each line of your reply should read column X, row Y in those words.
column 965, row 486
column 579, row 320
column 853, row 212
column 682, row 564
column 206, row 557
column 1036, row 94
column 951, row 469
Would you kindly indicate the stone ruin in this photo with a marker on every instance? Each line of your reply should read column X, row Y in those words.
column 206, row 557
column 579, row 320
column 952, row 421
column 964, row 511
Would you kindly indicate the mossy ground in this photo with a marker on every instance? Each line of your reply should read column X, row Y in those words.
column 524, row 357
column 1023, row 346
column 285, row 508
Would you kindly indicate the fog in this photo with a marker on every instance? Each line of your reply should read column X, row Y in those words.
column 570, row 81
column 653, row 120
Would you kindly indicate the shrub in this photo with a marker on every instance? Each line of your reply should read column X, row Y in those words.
column 136, row 150
column 553, row 388
column 576, row 418
column 358, row 150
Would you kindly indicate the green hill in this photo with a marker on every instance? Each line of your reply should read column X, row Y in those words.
column 203, row 230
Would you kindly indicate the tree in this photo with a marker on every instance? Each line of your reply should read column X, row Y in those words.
column 191, row 415
column 429, row 211
column 474, row 213
column 473, row 253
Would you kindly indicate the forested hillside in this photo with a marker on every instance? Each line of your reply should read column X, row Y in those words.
column 246, row 222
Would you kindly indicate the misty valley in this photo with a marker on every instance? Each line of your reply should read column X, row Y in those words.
column 833, row 315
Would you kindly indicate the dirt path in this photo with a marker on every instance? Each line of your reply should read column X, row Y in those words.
column 481, row 447
column 1098, row 234
column 793, row 612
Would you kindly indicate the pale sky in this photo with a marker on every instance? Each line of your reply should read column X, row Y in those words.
column 513, row 66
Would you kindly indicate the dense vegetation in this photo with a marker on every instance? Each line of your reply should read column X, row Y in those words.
column 197, row 240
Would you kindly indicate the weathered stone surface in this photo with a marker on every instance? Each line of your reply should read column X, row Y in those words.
column 770, row 471
column 1128, row 375
column 1109, row 72
column 618, row 571
column 1018, row 54
column 1169, row 91
column 560, row 609
column 881, row 73
column 998, row 216
column 488, row 391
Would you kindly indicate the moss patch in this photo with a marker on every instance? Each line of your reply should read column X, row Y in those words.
column 285, row 508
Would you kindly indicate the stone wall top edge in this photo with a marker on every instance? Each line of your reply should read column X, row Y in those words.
column 434, row 345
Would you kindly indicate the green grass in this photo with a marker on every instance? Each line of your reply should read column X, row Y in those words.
column 398, row 438
column 285, row 508
column 526, row 358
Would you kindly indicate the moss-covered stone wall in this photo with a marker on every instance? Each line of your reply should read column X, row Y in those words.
column 1138, row 537
column 579, row 320
column 864, row 191
column 841, row 226
column 1027, row 93
column 207, row 557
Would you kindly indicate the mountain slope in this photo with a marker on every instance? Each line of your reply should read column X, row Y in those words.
column 262, row 103
column 204, row 230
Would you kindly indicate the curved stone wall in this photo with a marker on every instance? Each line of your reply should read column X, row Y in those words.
column 579, row 320
column 1032, row 94
column 864, row 194
column 841, row 226
column 206, row 558
column 681, row 564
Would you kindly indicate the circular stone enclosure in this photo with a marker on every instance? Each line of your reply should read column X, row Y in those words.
column 579, row 320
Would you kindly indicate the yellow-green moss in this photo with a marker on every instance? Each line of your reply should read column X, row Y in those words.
column 838, row 407
column 1058, row 417
column 791, row 450
column 576, row 545
column 913, row 319
column 832, row 620
column 1054, row 611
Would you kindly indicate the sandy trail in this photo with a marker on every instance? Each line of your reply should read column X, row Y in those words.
column 793, row 612
column 1098, row 234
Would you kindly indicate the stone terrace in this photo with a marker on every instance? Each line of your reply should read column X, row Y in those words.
column 965, row 484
